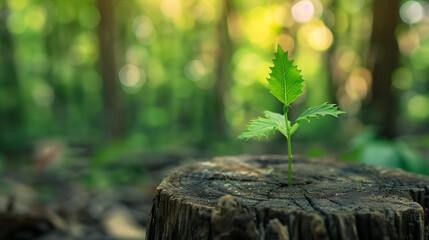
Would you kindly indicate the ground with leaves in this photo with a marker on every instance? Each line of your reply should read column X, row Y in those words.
column 44, row 202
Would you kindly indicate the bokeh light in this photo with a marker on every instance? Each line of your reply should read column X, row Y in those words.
column 418, row 107
column 408, row 40
column 402, row 78
column 195, row 70
column 84, row 49
column 145, row 33
column 130, row 76
column 35, row 18
column 411, row 12
column 282, row 16
column 204, row 11
column 171, row 8
column 17, row 4
column 144, row 29
column 420, row 57
column 315, row 35
column 346, row 58
column 258, row 27
column 321, row 38
column 247, row 63
column 16, row 23
column 358, row 83
column 303, row 11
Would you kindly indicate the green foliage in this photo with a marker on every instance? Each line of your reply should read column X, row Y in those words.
column 397, row 153
column 263, row 126
column 285, row 83
column 321, row 110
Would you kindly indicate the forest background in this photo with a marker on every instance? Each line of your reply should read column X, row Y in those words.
column 95, row 83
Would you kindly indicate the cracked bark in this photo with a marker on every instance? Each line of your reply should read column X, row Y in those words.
column 247, row 197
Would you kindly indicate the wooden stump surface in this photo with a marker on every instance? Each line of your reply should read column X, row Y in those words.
column 247, row 197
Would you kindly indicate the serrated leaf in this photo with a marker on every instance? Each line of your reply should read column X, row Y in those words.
column 279, row 120
column 264, row 126
column 321, row 110
column 285, row 81
column 258, row 128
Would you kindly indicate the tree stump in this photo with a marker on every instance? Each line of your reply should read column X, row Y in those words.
column 247, row 197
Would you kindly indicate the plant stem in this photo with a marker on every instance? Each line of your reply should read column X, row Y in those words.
column 289, row 148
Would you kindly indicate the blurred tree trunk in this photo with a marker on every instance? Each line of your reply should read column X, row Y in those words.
column 108, row 69
column 383, row 60
column 223, row 73
column 332, row 64
column 11, row 111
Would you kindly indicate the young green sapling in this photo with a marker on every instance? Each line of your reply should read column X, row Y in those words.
column 285, row 83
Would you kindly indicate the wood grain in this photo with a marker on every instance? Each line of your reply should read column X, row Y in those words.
column 247, row 197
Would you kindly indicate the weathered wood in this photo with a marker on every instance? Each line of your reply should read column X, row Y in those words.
column 247, row 197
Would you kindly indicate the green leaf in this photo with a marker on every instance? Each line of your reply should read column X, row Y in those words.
column 263, row 126
column 279, row 120
column 258, row 128
column 285, row 81
column 321, row 110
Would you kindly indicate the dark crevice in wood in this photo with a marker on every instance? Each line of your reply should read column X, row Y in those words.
column 335, row 202
column 272, row 190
